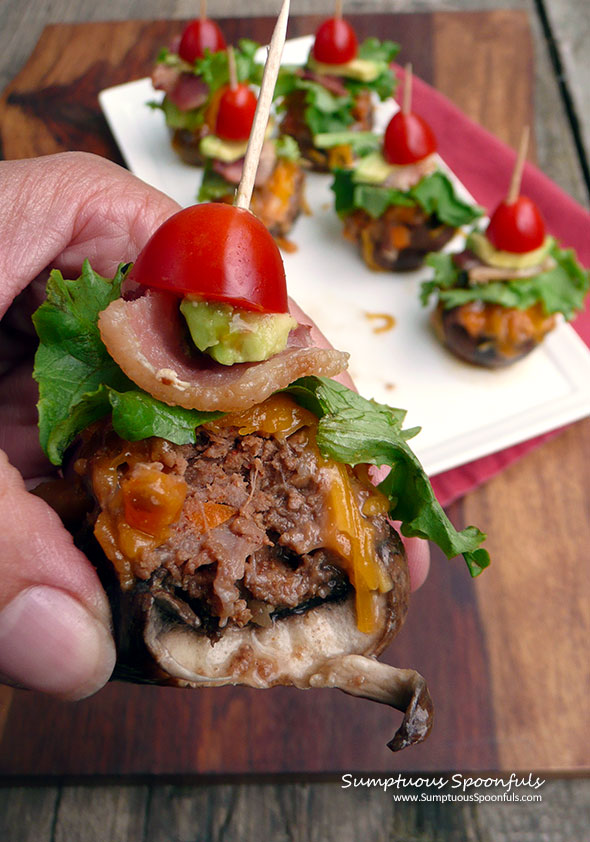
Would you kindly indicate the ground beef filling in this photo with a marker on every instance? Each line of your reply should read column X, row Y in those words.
column 247, row 544
column 398, row 240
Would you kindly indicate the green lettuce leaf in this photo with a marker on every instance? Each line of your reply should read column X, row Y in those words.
column 175, row 118
column 382, row 53
column 90, row 408
column 287, row 148
column 361, row 142
column 561, row 289
column 213, row 185
column 354, row 430
column 137, row 415
column 214, row 68
column 434, row 194
column 325, row 112
column 71, row 360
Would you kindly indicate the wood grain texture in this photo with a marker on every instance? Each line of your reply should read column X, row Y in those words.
column 113, row 813
column 492, row 43
column 451, row 636
column 27, row 814
column 569, row 24
column 539, row 544
column 557, row 155
column 287, row 812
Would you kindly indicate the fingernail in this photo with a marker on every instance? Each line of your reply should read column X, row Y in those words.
column 50, row 642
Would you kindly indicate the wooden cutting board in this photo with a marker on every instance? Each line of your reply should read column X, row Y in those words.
column 504, row 692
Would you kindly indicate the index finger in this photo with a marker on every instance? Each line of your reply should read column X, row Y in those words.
column 60, row 209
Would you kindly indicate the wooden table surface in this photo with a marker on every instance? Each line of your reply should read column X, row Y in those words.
column 543, row 498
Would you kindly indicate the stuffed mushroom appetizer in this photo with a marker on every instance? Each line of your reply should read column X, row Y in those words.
column 396, row 202
column 500, row 297
column 194, row 73
column 278, row 194
column 229, row 508
column 334, row 91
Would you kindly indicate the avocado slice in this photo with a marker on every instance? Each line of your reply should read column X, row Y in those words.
column 359, row 69
column 228, row 151
column 372, row 169
column 479, row 243
column 234, row 335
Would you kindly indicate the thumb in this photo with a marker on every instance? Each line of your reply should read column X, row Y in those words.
column 54, row 616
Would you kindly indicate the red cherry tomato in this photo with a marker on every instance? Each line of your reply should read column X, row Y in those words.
column 335, row 42
column 218, row 251
column 235, row 113
column 200, row 35
column 517, row 227
column 408, row 138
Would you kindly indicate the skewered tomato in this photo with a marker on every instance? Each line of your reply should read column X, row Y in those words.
column 235, row 113
column 516, row 227
column 200, row 35
column 408, row 138
column 335, row 42
column 217, row 251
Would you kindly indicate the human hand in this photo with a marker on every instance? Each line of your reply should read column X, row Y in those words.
column 56, row 211
column 54, row 616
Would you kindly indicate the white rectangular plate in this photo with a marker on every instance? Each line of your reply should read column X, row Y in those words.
column 465, row 412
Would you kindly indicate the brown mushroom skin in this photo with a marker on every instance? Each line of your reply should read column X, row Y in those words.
column 489, row 335
column 152, row 608
column 397, row 241
column 187, row 145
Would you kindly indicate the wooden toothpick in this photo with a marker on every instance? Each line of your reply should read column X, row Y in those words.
column 231, row 68
column 407, row 100
column 267, row 86
column 203, row 9
column 515, row 181
column 338, row 9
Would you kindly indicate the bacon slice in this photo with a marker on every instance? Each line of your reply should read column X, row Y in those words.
column 334, row 84
column 407, row 176
column 164, row 77
column 146, row 338
column 185, row 90
column 189, row 92
column 232, row 172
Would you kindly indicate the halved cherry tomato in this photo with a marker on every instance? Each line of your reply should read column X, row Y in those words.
column 335, row 42
column 408, row 138
column 235, row 113
column 217, row 251
column 200, row 35
column 517, row 227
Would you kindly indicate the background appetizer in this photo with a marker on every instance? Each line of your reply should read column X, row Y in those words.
column 334, row 90
column 498, row 299
column 395, row 201
column 194, row 74
column 278, row 195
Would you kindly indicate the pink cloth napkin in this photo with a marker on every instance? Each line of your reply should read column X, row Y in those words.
column 484, row 165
